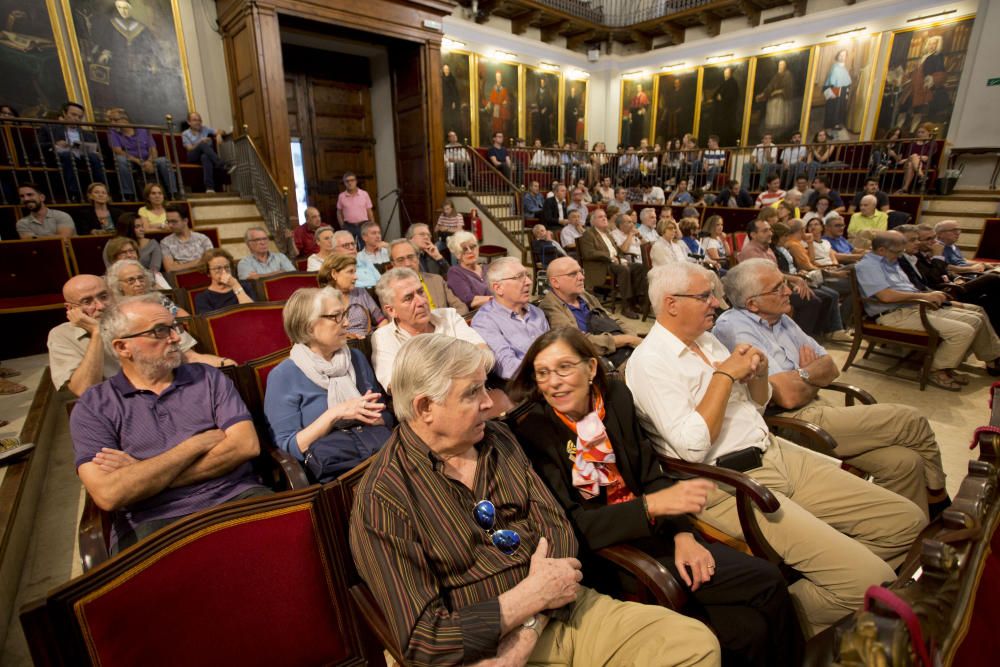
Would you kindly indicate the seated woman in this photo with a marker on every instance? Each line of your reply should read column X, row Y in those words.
column 153, row 213
column 98, row 218
column 363, row 314
column 714, row 242
column 449, row 222
column 614, row 491
column 669, row 247
column 127, row 277
column 225, row 290
column 832, row 322
column 129, row 225
column 122, row 247
column 324, row 239
column 323, row 403
column 466, row 278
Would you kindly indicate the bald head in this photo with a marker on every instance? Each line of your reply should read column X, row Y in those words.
column 88, row 293
column 868, row 204
column 566, row 279
column 313, row 218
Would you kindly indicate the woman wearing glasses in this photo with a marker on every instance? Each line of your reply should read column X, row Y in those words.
column 128, row 277
column 363, row 314
column 323, row 403
column 324, row 239
column 580, row 430
column 466, row 279
column 226, row 290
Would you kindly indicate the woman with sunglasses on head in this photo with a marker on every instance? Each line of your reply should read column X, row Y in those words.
column 466, row 279
column 580, row 430
column 323, row 403
column 226, row 289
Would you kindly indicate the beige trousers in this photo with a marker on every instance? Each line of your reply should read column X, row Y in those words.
column 841, row 533
column 963, row 330
column 604, row 631
column 891, row 442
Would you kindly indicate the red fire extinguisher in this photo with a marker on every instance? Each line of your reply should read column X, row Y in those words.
column 476, row 224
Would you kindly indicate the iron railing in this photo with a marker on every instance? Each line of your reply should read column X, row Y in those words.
column 622, row 13
column 254, row 181
column 489, row 188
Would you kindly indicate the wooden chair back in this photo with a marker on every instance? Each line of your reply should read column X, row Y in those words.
column 88, row 253
column 242, row 332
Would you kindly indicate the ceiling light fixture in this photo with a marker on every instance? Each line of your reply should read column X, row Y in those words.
column 776, row 47
column 671, row 68
column 931, row 16
column 503, row 55
column 715, row 59
column 845, row 33
column 447, row 44
column 577, row 74
column 552, row 67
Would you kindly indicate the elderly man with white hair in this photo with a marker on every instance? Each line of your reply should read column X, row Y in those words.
column 700, row 402
column 503, row 587
column 509, row 323
column 405, row 302
column 892, row 442
column 261, row 261
column 868, row 217
column 368, row 275
column 948, row 232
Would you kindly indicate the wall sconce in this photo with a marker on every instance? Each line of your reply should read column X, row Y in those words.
column 846, row 33
column 671, row 68
column 503, row 55
column 638, row 74
column 925, row 17
column 577, row 74
column 551, row 67
column 447, row 44
column 717, row 59
column 776, row 47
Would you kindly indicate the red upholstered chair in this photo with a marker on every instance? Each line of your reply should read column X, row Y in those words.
column 301, row 263
column 988, row 249
column 32, row 273
column 280, row 286
column 255, row 582
column 88, row 253
column 191, row 279
column 491, row 252
column 242, row 332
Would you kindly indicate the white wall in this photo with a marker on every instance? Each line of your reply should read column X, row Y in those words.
column 206, row 63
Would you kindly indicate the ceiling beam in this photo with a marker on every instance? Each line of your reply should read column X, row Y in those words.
column 676, row 32
column 800, row 7
column 551, row 31
column 712, row 22
column 574, row 42
column 519, row 24
column 644, row 41
column 486, row 7
column 751, row 10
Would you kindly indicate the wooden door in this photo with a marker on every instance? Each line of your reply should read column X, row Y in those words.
column 333, row 121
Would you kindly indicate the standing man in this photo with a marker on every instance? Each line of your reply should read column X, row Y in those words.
column 202, row 144
column 41, row 221
column 354, row 207
column 183, row 249
column 261, row 261
column 304, row 236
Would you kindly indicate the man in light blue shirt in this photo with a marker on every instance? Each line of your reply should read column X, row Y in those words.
column 533, row 201
column 344, row 244
column 261, row 261
column 647, row 225
column 893, row 443
column 508, row 323
column 948, row 232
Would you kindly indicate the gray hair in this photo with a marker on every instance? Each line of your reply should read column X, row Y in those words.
column 892, row 240
column 538, row 231
column 938, row 227
column 412, row 229
column 496, row 269
column 340, row 234
column 255, row 228
column 672, row 278
column 458, row 239
column 907, row 229
column 795, row 225
column 647, row 212
column 427, row 365
column 114, row 284
column 742, row 281
column 869, row 199
column 115, row 322
column 368, row 225
column 302, row 310
column 385, row 288
column 399, row 242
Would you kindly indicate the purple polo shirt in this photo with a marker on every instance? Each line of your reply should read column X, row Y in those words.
column 138, row 145
column 115, row 414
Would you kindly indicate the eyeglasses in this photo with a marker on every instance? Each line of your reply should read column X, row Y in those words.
column 134, row 280
column 257, row 240
column 159, row 332
column 572, row 274
column 565, row 369
column 704, row 297
column 517, row 276
column 103, row 297
column 507, row 541
column 468, row 247
column 404, row 258
column 777, row 290
column 338, row 318
column 347, row 245
column 218, row 269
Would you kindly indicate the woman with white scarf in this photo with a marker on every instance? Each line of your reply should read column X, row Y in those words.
column 323, row 403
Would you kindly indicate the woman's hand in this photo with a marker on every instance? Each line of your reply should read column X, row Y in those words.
column 685, row 497
column 366, row 409
column 688, row 554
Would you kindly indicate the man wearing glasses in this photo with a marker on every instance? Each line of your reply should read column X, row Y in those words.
column 161, row 439
column 509, row 323
column 354, row 207
column 404, row 255
column 344, row 244
column 467, row 552
column 261, row 261
column 700, row 402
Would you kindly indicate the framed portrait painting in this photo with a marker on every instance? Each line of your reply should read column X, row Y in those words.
column 130, row 54
column 33, row 60
column 456, row 94
column 541, row 106
column 779, row 88
column 575, row 109
column 722, row 102
column 841, row 88
column 675, row 102
column 499, row 83
column 921, row 81
column 636, row 110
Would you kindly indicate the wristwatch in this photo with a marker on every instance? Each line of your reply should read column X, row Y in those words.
column 804, row 374
column 532, row 624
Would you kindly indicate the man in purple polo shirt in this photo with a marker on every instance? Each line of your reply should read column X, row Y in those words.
column 354, row 207
column 160, row 439
column 135, row 150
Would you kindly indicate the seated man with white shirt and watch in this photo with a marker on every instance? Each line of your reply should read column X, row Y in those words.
column 699, row 402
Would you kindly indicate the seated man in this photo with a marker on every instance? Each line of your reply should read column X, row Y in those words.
column 962, row 329
column 572, row 231
column 135, row 149
column 375, row 250
column 653, row 194
column 868, row 217
column 734, row 196
column 183, row 249
column 77, row 151
column 41, row 221
column 554, row 210
column 147, row 469
column 431, row 259
column 456, row 161
column 261, row 261
column 403, row 255
column 202, row 143
column 834, row 229
column 405, row 302
column 569, row 304
column 892, row 442
column 509, row 323
column 543, row 247
column 948, row 232
column 504, row 587
column 533, row 201
column 344, row 243
column 304, row 236
column 578, row 204
column 871, row 188
column 77, row 358
column 699, row 402
column 647, row 225
column 600, row 255
column 821, row 188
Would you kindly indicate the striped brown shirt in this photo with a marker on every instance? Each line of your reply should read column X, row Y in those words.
column 435, row 573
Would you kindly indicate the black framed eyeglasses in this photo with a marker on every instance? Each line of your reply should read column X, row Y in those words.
column 335, row 317
column 159, row 332
column 506, row 540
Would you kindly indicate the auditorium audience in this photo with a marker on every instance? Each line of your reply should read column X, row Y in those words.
column 323, row 403
column 578, row 203
column 917, row 160
column 831, row 320
column 98, row 218
column 363, row 314
column 715, row 243
column 403, row 255
column 948, row 233
column 834, row 228
column 154, row 211
column 572, row 231
column 374, row 250
column 734, row 196
column 821, row 188
column 668, row 247
column 505, row 586
column 553, row 214
column 128, row 277
column 868, row 217
column 772, row 194
column 202, row 144
column 600, row 256
column 533, row 201
column 449, row 222
column 368, row 275
column 77, row 359
column 822, row 252
column 41, row 220
column 135, row 153
column 431, row 259
column 762, row 163
column 626, row 237
column 543, row 248
column 647, row 225
column 148, row 471
column 871, row 187
column 614, row 491
column 699, row 402
column 261, row 262
column 77, row 151
column 304, row 236
column 225, row 289
column 184, row 248
column 324, row 238
column 466, row 279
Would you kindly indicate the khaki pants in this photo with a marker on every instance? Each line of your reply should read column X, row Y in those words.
column 963, row 330
column 604, row 631
column 891, row 442
column 841, row 533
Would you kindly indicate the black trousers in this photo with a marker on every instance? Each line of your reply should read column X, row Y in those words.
column 984, row 291
column 631, row 279
column 809, row 314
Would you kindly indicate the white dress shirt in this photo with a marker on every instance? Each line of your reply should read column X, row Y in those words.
column 668, row 381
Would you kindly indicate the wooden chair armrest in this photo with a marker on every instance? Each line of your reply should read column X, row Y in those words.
column 291, row 470
column 650, row 572
column 852, row 393
column 363, row 599
column 816, row 438
column 93, row 547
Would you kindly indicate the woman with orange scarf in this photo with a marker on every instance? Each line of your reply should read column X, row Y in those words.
column 583, row 438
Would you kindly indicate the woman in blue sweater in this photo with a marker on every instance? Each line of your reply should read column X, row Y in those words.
column 323, row 403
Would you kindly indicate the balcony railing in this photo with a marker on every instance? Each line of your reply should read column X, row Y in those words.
column 622, row 13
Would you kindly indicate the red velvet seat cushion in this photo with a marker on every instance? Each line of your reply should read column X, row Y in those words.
column 247, row 333
column 253, row 591
column 88, row 251
column 34, row 301
column 282, row 287
column 36, row 267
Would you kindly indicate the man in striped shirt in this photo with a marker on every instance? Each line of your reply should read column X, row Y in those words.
column 446, row 572
column 773, row 194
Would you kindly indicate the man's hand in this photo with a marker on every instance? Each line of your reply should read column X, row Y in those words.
column 807, row 355
column 801, row 287
column 937, row 298
column 688, row 554
column 556, row 580
column 686, row 497
column 431, row 250
column 109, row 460
column 78, row 318
column 743, row 363
column 626, row 340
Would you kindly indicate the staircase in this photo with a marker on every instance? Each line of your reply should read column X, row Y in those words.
column 230, row 214
column 969, row 206
column 497, row 199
